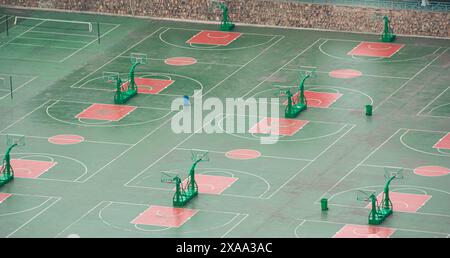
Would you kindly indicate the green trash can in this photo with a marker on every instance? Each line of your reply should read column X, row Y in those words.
column 324, row 204
column 368, row 110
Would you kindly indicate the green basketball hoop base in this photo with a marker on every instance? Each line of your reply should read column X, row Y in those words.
column 121, row 97
column 389, row 37
column 295, row 110
column 227, row 26
column 376, row 219
column 122, row 94
column 388, row 33
column 185, row 193
column 379, row 212
column 182, row 200
column 5, row 178
column 6, row 170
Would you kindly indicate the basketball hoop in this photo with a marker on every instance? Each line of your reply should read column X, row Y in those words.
column 15, row 139
column 138, row 58
column 199, row 155
column 110, row 77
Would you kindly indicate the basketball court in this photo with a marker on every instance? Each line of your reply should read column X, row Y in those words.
column 92, row 168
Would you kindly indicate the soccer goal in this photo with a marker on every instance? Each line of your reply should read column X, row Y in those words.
column 54, row 23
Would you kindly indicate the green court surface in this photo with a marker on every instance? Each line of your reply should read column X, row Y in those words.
column 79, row 177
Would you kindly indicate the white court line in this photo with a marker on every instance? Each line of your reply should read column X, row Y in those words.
column 23, row 33
column 418, row 150
column 361, row 162
column 353, row 40
column 52, row 179
column 405, row 83
column 185, row 232
column 307, row 165
column 148, row 36
column 35, row 216
column 79, row 219
column 254, row 138
column 90, row 43
column 151, row 18
column 24, row 116
column 30, row 59
column 218, row 84
column 357, row 46
column 404, row 212
column 171, row 190
column 447, row 117
column 262, row 156
column 13, row 213
column 146, row 205
column 240, row 68
column 127, row 150
column 279, row 188
column 149, row 95
column 198, row 62
column 270, row 76
column 385, row 48
column 376, row 60
column 431, row 102
column 114, row 58
column 103, row 124
column 424, row 130
column 18, row 88
column 243, row 196
column 50, row 157
column 202, row 31
column 368, row 75
column 402, row 45
column 150, row 75
column 235, row 225
column 167, row 153
column 16, row 75
column 88, row 141
column 211, row 171
column 439, row 106
column 145, row 169
column 297, row 227
column 379, row 166
column 204, row 210
column 248, row 33
column 344, row 223
column 35, row 45
column 308, row 67
column 90, row 103
column 397, row 188
column 60, row 40
column 313, row 87
column 62, row 33
column 33, row 195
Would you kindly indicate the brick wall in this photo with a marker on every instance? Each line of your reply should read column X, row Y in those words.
column 263, row 12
